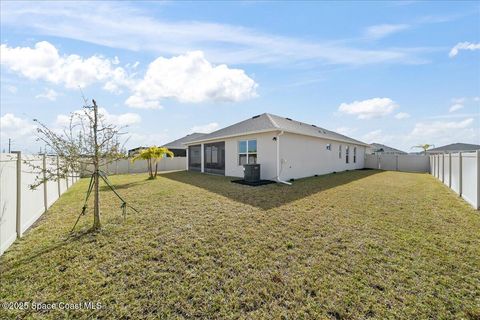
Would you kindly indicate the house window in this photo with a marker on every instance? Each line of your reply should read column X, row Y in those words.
column 346, row 153
column 247, row 152
column 354, row 154
column 340, row 151
column 329, row 147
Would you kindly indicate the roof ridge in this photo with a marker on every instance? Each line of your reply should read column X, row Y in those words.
column 272, row 121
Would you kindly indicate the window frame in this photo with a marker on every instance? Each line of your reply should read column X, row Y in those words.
column 347, row 154
column 340, row 151
column 247, row 153
column 354, row 154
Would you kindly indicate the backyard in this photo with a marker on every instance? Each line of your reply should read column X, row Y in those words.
column 353, row 245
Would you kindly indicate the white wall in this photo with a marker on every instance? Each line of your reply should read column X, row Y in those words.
column 304, row 156
column 32, row 202
column 401, row 162
column 266, row 155
column 460, row 173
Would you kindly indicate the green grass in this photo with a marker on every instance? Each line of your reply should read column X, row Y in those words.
column 353, row 245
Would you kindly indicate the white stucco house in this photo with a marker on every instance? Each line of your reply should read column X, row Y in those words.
column 285, row 149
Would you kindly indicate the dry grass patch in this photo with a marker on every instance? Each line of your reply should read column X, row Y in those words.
column 353, row 245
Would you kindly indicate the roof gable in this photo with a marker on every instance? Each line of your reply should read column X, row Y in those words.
column 269, row 122
column 180, row 143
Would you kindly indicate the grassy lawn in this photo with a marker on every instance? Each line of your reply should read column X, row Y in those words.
column 353, row 245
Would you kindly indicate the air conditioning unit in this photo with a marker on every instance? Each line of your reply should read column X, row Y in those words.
column 251, row 172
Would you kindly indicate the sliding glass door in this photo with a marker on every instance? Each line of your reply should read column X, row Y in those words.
column 214, row 157
column 194, row 158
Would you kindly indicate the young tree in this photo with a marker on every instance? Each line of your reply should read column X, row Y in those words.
column 425, row 147
column 153, row 155
column 87, row 143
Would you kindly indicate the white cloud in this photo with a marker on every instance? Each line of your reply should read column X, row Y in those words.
column 402, row 115
column 377, row 136
column 222, row 43
column 207, row 128
column 459, row 100
column 142, row 140
column 13, row 124
column 455, row 107
column 124, row 119
column 371, row 108
column 49, row 94
column 476, row 99
column 383, row 30
column 12, row 89
column 43, row 62
column 20, row 130
column 345, row 130
column 190, row 78
column 463, row 46
column 443, row 132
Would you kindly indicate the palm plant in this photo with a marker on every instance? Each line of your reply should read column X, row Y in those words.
column 425, row 147
column 153, row 155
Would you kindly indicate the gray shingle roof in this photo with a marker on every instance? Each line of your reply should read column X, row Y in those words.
column 180, row 143
column 270, row 122
column 456, row 147
column 378, row 147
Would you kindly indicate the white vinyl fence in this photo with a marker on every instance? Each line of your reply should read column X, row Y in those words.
column 126, row 166
column 20, row 205
column 401, row 162
column 460, row 172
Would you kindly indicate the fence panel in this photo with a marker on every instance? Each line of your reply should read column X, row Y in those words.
column 455, row 185
column 371, row 161
column 446, row 170
column 17, row 216
column 441, row 167
column 407, row 163
column 460, row 171
column 32, row 199
column 52, row 185
column 469, row 178
column 413, row 163
column 8, row 200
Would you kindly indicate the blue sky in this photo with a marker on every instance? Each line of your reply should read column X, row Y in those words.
column 399, row 73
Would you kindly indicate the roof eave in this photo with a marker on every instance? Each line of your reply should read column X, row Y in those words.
column 274, row 130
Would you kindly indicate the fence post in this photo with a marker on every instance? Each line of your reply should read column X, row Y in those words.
column 460, row 173
column 45, row 192
column 19, row 193
column 450, row 170
column 478, row 179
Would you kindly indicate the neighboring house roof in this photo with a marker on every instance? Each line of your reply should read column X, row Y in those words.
column 180, row 143
column 378, row 147
column 267, row 122
column 455, row 147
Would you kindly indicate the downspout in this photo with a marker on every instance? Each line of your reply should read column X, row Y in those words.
column 278, row 161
